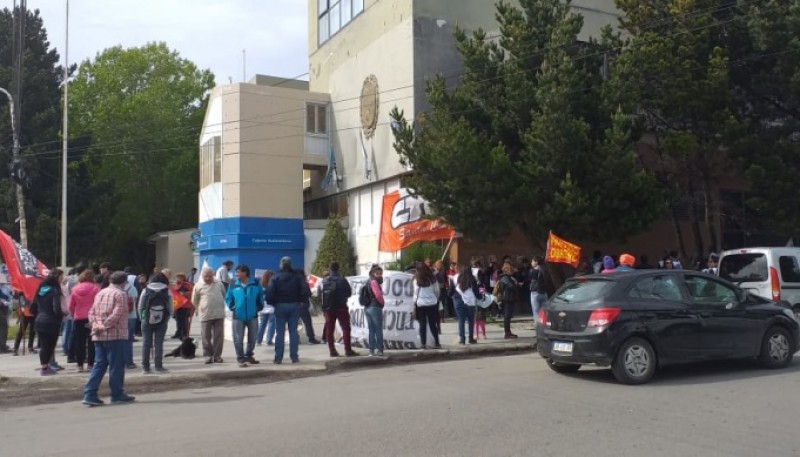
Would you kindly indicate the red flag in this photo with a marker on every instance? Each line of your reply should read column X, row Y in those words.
column 562, row 251
column 25, row 269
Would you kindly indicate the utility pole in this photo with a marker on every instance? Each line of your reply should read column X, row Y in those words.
column 23, row 226
column 64, row 134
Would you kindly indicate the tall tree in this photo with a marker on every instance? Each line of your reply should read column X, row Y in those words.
column 39, row 133
column 334, row 247
column 143, row 108
column 526, row 139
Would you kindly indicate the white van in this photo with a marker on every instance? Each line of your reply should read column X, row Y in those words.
column 772, row 273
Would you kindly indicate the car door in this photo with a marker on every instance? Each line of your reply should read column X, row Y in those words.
column 664, row 308
column 725, row 327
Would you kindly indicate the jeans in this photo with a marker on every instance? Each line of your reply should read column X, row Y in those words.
column 465, row 314
column 305, row 315
column 343, row 316
column 375, row 323
column 537, row 302
column 129, row 342
column 66, row 336
column 111, row 357
column 238, row 338
column 428, row 315
column 287, row 313
column 153, row 338
column 266, row 323
column 81, row 340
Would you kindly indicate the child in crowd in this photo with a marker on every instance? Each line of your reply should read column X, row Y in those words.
column 480, row 322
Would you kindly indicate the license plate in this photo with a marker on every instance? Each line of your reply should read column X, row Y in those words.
column 563, row 347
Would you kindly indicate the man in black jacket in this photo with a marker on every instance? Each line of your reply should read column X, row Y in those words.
column 335, row 292
column 287, row 292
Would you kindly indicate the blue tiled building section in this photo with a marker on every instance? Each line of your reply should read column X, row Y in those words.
column 258, row 242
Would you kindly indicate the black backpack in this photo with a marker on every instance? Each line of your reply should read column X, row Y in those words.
column 508, row 290
column 365, row 295
column 156, row 307
column 328, row 293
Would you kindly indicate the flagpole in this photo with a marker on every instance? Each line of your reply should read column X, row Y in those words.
column 448, row 247
column 65, row 141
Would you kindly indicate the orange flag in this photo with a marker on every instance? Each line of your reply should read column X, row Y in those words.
column 402, row 223
column 562, row 251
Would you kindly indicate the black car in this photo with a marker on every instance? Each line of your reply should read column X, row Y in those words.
column 637, row 321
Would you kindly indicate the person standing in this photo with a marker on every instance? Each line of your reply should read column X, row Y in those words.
column 335, row 292
column 305, row 312
column 246, row 299
column 81, row 301
column 155, row 306
column 192, row 278
column 374, row 311
column 133, row 297
column 287, row 292
column 266, row 319
column 5, row 310
column 109, row 321
column 49, row 315
column 26, row 318
column 536, row 284
column 626, row 262
column 713, row 264
column 209, row 296
column 224, row 274
column 465, row 301
column 426, row 298
column 182, row 294
column 508, row 294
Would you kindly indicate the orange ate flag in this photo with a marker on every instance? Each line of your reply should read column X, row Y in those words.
column 562, row 251
column 402, row 223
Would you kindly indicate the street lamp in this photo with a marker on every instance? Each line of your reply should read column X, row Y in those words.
column 23, row 226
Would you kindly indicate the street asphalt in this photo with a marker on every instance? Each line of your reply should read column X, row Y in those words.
column 491, row 406
column 21, row 384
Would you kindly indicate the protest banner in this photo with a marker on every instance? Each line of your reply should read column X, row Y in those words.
column 562, row 251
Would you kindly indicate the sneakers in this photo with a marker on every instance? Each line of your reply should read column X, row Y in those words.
column 276, row 362
column 161, row 370
column 218, row 360
column 314, row 341
column 123, row 400
column 55, row 366
column 47, row 371
column 295, row 360
column 243, row 365
column 509, row 336
column 351, row 353
column 379, row 354
column 92, row 401
column 438, row 346
column 461, row 343
column 252, row 361
column 473, row 341
column 334, row 354
column 209, row 360
column 146, row 370
column 131, row 366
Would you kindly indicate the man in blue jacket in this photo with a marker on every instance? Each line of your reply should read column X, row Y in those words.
column 245, row 298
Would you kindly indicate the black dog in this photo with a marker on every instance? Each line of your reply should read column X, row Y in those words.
column 186, row 350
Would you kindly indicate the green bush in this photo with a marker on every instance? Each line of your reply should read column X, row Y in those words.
column 334, row 246
column 418, row 252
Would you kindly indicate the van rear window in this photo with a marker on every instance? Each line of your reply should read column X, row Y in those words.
column 582, row 290
column 738, row 268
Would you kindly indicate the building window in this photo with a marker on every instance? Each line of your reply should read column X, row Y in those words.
column 210, row 162
column 333, row 15
column 316, row 119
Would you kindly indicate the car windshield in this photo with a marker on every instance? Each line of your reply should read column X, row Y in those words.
column 582, row 290
column 739, row 268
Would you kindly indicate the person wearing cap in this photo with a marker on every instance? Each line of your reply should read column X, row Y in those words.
column 109, row 322
column 626, row 262
column 608, row 265
column 713, row 264
column 287, row 291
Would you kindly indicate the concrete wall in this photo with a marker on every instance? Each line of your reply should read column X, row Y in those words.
column 173, row 250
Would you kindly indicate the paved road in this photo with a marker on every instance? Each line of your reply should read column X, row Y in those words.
column 500, row 406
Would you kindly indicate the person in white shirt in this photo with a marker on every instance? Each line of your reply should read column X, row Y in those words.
column 224, row 274
column 426, row 299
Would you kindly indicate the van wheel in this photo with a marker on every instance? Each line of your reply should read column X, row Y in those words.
column 635, row 362
column 777, row 348
column 563, row 367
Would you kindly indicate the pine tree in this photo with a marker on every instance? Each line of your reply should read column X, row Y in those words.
column 334, row 246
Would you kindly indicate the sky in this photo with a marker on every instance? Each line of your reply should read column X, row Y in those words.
column 211, row 33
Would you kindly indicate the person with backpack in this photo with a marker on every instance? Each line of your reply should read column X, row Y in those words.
column 109, row 322
column 80, row 303
column 426, row 301
column 373, row 310
column 209, row 296
column 465, row 300
column 245, row 298
column 287, row 293
column 47, row 302
column 508, row 292
column 335, row 292
column 155, row 305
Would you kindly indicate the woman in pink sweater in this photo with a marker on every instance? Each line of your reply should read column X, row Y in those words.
column 81, row 300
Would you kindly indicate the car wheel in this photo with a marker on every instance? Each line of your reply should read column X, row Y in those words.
column 563, row 367
column 777, row 348
column 635, row 362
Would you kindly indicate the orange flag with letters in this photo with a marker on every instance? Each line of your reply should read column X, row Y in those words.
column 403, row 222
column 562, row 251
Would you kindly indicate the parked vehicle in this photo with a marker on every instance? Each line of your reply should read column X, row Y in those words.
column 772, row 273
column 638, row 321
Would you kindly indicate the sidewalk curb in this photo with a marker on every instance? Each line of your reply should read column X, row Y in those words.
column 17, row 392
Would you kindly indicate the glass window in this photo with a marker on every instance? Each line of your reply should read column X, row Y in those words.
column 744, row 268
column 358, row 6
column 323, row 29
column 316, row 119
column 347, row 11
column 705, row 290
column 336, row 17
column 790, row 270
column 322, row 7
column 217, row 159
column 581, row 290
column 656, row 288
